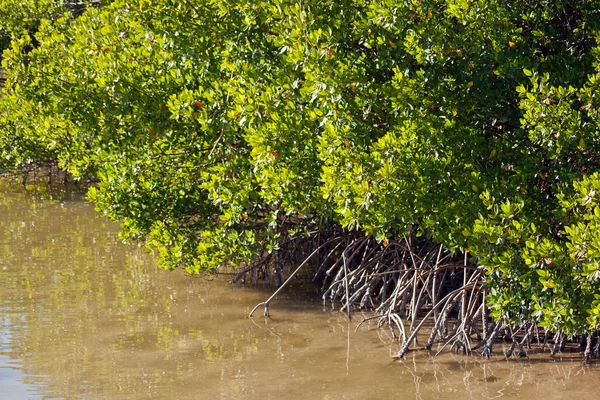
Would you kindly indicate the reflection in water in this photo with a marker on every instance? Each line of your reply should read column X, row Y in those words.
column 83, row 315
column 11, row 383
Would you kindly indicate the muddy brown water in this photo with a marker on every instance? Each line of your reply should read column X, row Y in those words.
column 83, row 315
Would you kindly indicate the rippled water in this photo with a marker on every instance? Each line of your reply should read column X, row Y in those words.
column 83, row 315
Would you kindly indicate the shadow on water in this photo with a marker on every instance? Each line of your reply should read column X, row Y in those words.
column 84, row 315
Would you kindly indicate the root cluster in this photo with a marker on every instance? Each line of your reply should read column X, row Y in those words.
column 415, row 288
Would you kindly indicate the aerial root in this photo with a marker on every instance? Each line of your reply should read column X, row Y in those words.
column 411, row 285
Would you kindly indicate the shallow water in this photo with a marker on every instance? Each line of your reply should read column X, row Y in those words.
column 83, row 315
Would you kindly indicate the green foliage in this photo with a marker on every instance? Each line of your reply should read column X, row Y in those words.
column 18, row 17
column 220, row 129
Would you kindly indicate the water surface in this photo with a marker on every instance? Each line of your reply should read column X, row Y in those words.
column 83, row 315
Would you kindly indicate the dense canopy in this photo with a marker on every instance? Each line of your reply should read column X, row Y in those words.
column 220, row 131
